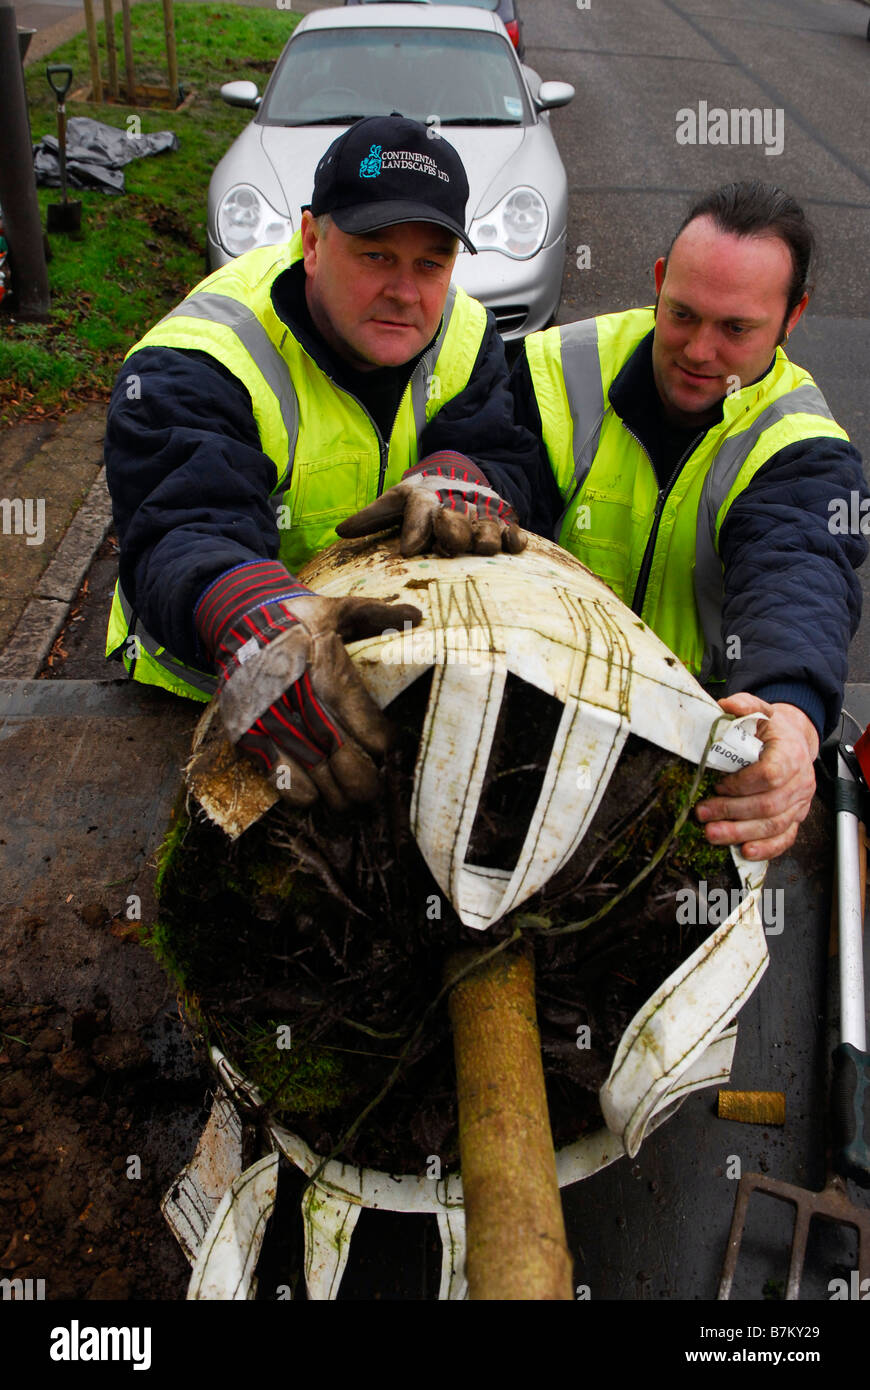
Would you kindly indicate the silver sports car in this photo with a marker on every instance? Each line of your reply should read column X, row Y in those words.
column 452, row 67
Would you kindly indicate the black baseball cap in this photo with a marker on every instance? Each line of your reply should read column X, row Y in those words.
column 387, row 169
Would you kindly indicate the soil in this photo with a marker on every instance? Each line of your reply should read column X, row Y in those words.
column 92, row 1131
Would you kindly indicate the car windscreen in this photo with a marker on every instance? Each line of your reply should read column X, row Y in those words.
column 456, row 76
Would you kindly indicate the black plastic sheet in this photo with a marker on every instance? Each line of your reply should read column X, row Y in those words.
column 95, row 154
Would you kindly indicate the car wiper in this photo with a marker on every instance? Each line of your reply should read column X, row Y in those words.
column 327, row 120
column 479, row 120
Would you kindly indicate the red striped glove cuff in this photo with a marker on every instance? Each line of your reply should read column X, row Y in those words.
column 225, row 602
column 447, row 463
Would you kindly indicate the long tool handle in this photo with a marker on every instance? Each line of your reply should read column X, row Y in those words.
column 850, row 1113
column 851, row 946
column 850, row 1095
column 60, row 80
column 513, row 1208
column 61, row 147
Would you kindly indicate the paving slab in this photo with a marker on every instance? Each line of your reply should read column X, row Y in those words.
column 33, row 638
column 29, row 645
column 46, row 474
column 90, row 774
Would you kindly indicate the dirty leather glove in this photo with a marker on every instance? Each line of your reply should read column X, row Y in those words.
column 447, row 502
column 290, row 696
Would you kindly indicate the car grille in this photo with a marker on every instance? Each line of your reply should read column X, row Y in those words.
column 509, row 318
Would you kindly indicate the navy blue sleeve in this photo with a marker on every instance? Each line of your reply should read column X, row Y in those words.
column 480, row 423
column 190, row 487
column 790, row 546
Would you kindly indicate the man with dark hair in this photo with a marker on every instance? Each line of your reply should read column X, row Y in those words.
column 294, row 386
column 695, row 469
column 761, row 209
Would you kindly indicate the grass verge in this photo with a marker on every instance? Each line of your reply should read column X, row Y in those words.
column 141, row 251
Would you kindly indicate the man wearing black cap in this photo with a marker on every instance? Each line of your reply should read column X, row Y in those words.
column 295, row 386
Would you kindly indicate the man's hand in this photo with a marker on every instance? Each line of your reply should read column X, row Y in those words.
column 445, row 502
column 290, row 696
column 761, row 807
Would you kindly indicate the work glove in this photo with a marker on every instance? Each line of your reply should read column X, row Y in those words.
column 290, row 696
column 447, row 502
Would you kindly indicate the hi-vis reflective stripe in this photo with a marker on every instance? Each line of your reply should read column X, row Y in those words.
column 220, row 308
column 735, row 450
column 421, row 381
column 723, row 473
column 581, row 371
column 200, row 680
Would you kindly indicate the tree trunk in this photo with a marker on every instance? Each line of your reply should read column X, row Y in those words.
column 513, row 1211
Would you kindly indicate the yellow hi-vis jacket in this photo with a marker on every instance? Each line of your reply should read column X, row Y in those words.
column 656, row 547
column 329, row 457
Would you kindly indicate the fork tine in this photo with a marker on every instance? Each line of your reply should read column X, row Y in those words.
column 798, row 1249
column 735, row 1236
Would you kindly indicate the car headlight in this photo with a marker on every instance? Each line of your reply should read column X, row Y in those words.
column 245, row 220
column 516, row 226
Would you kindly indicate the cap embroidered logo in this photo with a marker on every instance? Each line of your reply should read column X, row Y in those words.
column 385, row 170
column 370, row 166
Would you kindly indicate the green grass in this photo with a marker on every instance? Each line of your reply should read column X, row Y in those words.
column 142, row 251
